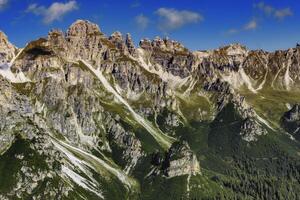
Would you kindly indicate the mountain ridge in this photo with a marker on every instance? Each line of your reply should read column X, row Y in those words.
column 127, row 122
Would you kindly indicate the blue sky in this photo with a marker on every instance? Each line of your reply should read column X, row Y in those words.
column 198, row 24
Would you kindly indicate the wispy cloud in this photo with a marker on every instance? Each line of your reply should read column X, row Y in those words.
column 232, row 31
column 3, row 4
column 283, row 13
column 269, row 10
column 135, row 4
column 171, row 19
column 142, row 21
column 54, row 12
column 251, row 25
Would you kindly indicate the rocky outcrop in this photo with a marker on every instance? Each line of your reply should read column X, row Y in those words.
column 125, row 140
column 130, row 45
column 251, row 130
column 178, row 161
column 169, row 55
column 7, row 50
column 290, row 121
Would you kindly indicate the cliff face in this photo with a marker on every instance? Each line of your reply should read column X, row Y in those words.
column 7, row 50
column 86, row 116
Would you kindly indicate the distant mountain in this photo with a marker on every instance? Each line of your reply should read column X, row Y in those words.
column 87, row 116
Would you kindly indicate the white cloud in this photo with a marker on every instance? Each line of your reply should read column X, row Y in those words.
column 142, row 21
column 267, row 9
column 252, row 25
column 54, row 12
column 283, row 13
column 172, row 19
column 3, row 3
column 232, row 31
column 271, row 11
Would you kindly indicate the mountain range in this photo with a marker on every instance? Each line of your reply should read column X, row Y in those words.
column 89, row 116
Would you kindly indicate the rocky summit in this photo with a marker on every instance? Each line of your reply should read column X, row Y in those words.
column 89, row 116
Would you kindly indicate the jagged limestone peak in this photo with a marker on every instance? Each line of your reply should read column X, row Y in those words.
column 7, row 50
column 165, row 44
column 234, row 49
column 83, row 28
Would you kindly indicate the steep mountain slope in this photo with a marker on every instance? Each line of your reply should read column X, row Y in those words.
column 86, row 116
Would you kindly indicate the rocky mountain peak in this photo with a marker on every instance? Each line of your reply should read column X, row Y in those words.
column 7, row 50
column 124, row 44
column 234, row 49
column 84, row 40
column 165, row 44
column 57, row 38
column 56, row 33
column 117, row 39
column 117, row 35
column 83, row 28
column 145, row 44
column 158, row 43
column 129, row 43
column 173, row 45
column 3, row 37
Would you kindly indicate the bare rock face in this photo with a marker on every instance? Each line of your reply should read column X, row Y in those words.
column 251, row 130
column 169, row 56
column 85, row 40
column 146, row 44
column 180, row 160
column 83, row 29
column 58, row 41
column 290, row 121
column 117, row 39
column 129, row 44
column 167, row 45
column 293, row 114
column 7, row 50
